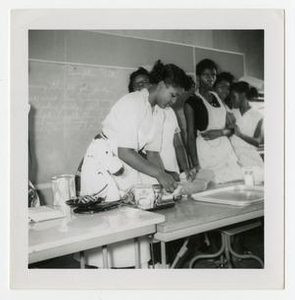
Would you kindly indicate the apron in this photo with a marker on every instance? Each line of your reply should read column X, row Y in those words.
column 246, row 153
column 218, row 155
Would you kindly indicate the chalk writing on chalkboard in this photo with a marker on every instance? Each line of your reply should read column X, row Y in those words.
column 69, row 104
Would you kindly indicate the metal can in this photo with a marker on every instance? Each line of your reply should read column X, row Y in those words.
column 63, row 188
column 158, row 192
column 144, row 196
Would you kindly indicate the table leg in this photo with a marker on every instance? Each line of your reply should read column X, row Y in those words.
column 82, row 260
column 163, row 255
column 137, row 253
column 105, row 257
column 152, row 250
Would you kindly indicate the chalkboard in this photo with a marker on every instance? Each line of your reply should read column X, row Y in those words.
column 69, row 103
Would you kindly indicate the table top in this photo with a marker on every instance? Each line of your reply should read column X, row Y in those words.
column 80, row 232
column 190, row 217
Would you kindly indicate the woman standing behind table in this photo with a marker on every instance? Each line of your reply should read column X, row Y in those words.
column 208, row 143
column 172, row 148
column 130, row 127
column 249, row 128
column 222, row 85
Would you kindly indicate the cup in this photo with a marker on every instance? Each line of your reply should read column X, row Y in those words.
column 63, row 189
column 258, row 172
column 248, row 176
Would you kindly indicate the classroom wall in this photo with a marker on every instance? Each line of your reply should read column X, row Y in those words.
column 249, row 42
column 76, row 76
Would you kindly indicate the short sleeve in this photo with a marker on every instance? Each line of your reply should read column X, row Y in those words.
column 125, row 117
column 156, row 144
column 200, row 111
column 175, row 122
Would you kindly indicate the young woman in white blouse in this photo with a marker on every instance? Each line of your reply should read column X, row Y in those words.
column 172, row 153
column 249, row 126
column 135, row 123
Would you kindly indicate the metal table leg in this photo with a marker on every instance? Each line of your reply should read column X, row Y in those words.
column 105, row 257
column 82, row 260
column 163, row 255
column 137, row 253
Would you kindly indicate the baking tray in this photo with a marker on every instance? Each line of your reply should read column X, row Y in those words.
column 238, row 195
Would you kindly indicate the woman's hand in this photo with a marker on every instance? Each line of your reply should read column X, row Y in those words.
column 230, row 120
column 167, row 181
column 175, row 175
column 237, row 131
column 212, row 134
column 190, row 175
column 194, row 171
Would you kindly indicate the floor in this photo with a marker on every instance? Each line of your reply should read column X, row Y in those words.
column 252, row 241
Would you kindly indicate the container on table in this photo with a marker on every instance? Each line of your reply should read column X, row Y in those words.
column 63, row 189
column 146, row 196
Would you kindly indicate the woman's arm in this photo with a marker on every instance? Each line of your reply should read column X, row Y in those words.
column 216, row 133
column 137, row 162
column 180, row 151
column 191, row 136
column 259, row 132
column 258, row 138
column 181, row 155
column 155, row 158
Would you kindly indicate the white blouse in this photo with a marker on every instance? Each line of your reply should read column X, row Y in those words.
column 133, row 123
column 248, row 121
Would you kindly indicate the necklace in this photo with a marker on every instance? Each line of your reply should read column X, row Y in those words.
column 209, row 98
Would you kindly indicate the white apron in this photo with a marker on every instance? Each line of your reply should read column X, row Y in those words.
column 247, row 154
column 218, row 155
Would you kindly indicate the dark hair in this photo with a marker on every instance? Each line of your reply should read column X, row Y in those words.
column 133, row 75
column 170, row 74
column 224, row 76
column 244, row 87
column 205, row 64
column 189, row 83
column 253, row 93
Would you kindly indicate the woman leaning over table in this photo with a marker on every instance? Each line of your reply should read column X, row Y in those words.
column 207, row 134
column 130, row 126
column 173, row 155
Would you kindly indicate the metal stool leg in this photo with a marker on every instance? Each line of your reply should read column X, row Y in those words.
column 227, row 250
column 204, row 256
column 245, row 256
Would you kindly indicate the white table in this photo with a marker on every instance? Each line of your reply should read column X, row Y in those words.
column 189, row 217
column 79, row 232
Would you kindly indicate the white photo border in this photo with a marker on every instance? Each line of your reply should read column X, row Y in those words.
column 272, row 276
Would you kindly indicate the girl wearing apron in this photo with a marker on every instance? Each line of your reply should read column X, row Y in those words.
column 130, row 127
column 206, row 119
column 248, row 130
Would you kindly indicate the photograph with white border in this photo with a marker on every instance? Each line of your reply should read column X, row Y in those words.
column 70, row 94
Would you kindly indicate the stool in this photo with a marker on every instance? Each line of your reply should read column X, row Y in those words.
column 226, row 251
